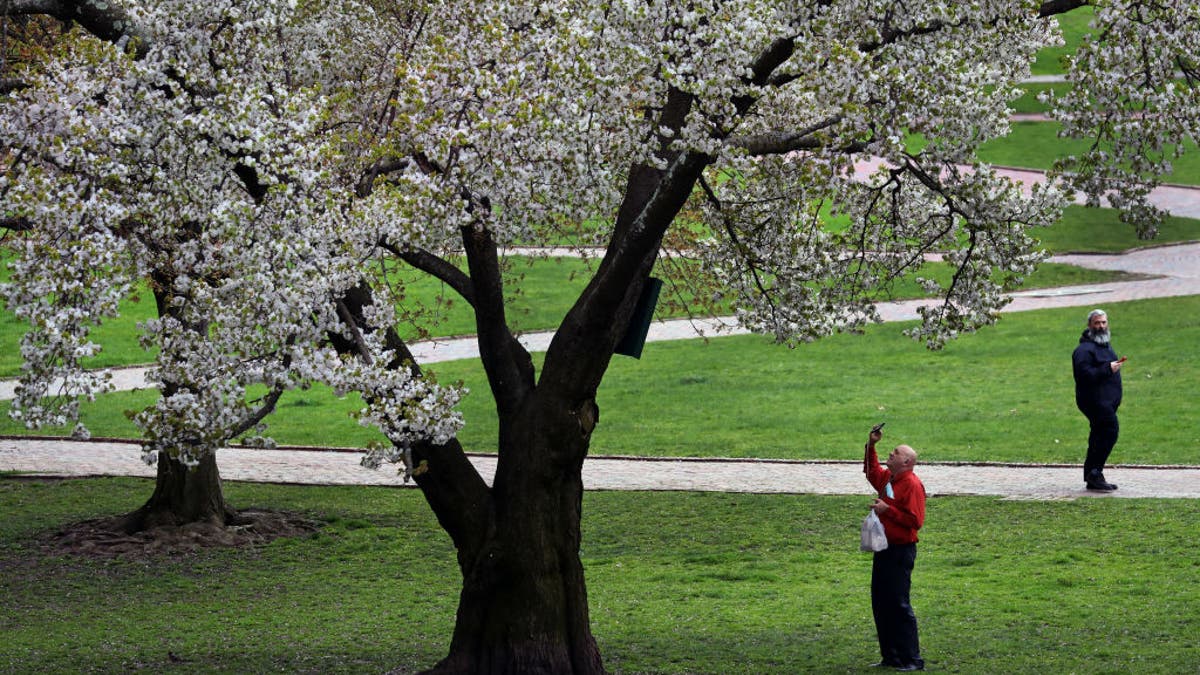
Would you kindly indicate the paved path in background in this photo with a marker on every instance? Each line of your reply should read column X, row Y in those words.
column 1175, row 271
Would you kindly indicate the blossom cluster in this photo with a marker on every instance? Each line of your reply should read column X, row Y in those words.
column 1136, row 93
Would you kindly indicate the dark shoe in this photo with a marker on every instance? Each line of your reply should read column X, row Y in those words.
column 910, row 668
column 1095, row 481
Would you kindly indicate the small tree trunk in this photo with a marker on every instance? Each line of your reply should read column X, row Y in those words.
column 523, row 607
column 183, row 495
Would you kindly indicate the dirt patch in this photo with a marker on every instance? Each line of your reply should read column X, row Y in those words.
column 105, row 537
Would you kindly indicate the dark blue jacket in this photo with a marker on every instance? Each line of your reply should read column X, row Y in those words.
column 1096, row 385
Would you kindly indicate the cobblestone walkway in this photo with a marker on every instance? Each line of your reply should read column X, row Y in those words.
column 311, row 466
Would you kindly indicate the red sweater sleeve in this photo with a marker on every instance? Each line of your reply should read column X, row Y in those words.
column 877, row 476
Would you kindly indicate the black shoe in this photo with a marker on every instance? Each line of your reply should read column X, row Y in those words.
column 1095, row 481
column 910, row 668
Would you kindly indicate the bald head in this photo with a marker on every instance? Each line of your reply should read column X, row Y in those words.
column 902, row 459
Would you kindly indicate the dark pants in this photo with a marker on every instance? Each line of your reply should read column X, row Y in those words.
column 895, row 622
column 1101, row 438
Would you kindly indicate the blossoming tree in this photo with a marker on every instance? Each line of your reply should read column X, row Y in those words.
column 281, row 147
column 195, row 148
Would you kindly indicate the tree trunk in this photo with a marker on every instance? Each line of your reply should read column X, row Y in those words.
column 523, row 607
column 183, row 495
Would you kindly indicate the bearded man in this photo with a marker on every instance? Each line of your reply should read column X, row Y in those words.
column 1098, row 395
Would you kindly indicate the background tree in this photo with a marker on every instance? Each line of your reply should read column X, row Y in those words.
column 190, row 152
column 500, row 124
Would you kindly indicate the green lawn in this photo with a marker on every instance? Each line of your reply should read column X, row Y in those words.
column 1029, row 103
column 1004, row 394
column 684, row 582
column 1036, row 145
column 543, row 289
column 1100, row 231
column 1074, row 26
column 677, row 583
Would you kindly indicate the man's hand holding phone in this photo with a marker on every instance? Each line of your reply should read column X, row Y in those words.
column 876, row 433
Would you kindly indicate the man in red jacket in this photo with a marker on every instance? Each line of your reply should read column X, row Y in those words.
column 901, row 507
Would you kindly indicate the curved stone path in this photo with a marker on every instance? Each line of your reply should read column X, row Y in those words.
column 1173, row 271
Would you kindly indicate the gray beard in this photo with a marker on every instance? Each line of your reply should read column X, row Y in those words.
column 1100, row 337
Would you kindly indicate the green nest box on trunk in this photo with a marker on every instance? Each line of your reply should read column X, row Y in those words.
column 639, row 323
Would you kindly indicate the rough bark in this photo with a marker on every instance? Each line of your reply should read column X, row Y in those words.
column 183, row 495
column 523, row 607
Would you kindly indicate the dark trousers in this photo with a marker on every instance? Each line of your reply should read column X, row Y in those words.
column 895, row 622
column 1101, row 438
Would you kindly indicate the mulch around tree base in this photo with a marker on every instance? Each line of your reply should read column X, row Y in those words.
column 105, row 538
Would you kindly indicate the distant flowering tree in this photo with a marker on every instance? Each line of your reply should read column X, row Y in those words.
column 210, row 149
column 254, row 159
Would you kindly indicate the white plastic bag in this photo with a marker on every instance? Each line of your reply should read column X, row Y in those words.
column 873, row 537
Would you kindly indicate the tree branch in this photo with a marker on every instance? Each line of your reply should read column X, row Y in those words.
column 783, row 142
column 508, row 364
column 19, row 224
column 652, row 200
column 27, row 7
column 454, row 490
column 10, row 84
column 1052, row 7
column 106, row 20
column 436, row 267
column 367, row 183
column 268, row 407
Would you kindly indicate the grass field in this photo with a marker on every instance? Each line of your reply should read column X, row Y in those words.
column 1036, row 145
column 548, row 287
column 1003, row 394
column 1074, row 25
column 684, row 582
column 678, row 583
